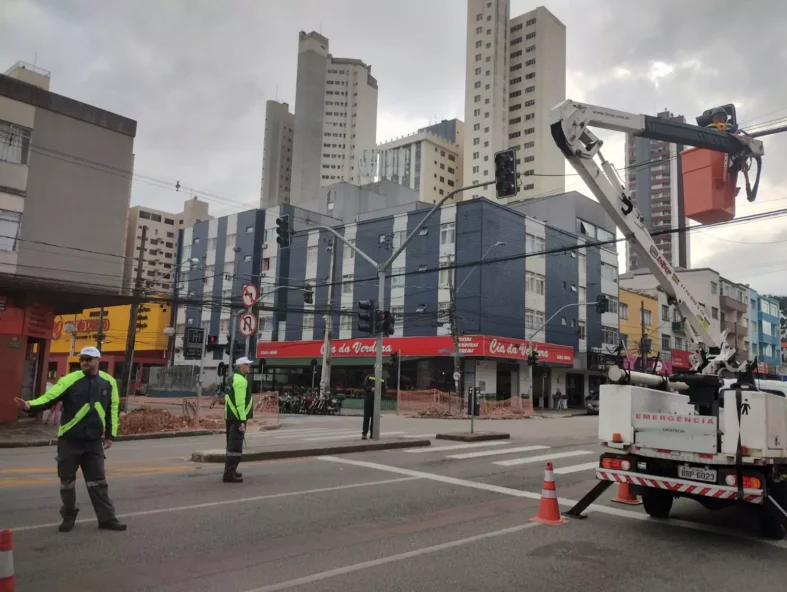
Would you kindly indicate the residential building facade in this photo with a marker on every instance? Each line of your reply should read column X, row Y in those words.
column 335, row 119
column 515, row 74
column 160, row 251
column 424, row 162
column 765, row 331
column 277, row 154
column 62, row 204
column 654, row 179
column 499, row 305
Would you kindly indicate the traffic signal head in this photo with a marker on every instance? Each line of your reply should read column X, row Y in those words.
column 283, row 232
column 602, row 304
column 505, row 173
column 366, row 317
column 532, row 358
column 308, row 295
column 385, row 322
column 394, row 360
column 211, row 343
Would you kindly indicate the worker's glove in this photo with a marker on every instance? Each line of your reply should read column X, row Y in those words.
column 242, row 428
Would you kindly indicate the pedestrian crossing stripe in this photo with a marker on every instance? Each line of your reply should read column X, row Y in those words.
column 542, row 458
column 498, row 452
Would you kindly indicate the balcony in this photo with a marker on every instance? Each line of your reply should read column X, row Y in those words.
column 735, row 328
column 677, row 325
column 731, row 303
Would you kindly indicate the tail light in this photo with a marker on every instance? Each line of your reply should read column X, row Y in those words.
column 748, row 482
column 616, row 464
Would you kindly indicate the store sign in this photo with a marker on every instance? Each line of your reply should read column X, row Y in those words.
column 80, row 326
column 39, row 319
column 681, row 359
column 470, row 345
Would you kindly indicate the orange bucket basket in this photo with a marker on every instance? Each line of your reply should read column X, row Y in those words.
column 709, row 189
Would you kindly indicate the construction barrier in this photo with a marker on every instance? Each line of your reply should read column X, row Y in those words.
column 549, row 509
column 7, row 577
column 437, row 403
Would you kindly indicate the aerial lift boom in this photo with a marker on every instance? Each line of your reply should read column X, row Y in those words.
column 571, row 123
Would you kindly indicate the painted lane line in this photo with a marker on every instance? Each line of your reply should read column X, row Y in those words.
column 340, row 571
column 576, row 468
column 537, row 496
column 482, row 453
column 453, row 447
column 419, row 436
column 226, row 502
column 544, row 457
column 316, row 434
column 346, row 437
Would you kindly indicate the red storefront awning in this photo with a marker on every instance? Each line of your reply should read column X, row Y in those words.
column 470, row 345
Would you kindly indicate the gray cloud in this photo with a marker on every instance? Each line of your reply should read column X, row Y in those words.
column 196, row 75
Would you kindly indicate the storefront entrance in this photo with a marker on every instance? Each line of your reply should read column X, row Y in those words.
column 575, row 389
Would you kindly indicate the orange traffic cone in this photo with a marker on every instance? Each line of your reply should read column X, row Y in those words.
column 625, row 496
column 7, row 578
column 549, row 510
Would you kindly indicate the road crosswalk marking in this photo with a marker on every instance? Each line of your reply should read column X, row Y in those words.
column 346, row 436
column 419, row 436
column 576, row 468
column 544, row 457
column 315, row 433
column 497, row 452
column 453, row 447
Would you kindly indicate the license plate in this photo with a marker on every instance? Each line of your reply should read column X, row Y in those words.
column 697, row 474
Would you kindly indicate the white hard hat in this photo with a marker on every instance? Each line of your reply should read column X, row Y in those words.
column 242, row 361
column 90, row 352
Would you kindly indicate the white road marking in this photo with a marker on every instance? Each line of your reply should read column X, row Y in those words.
column 340, row 571
column 225, row 502
column 482, row 453
column 419, row 436
column 320, row 433
column 576, row 468
column 453, row 447
column 537, row 496
column 345, row 436
column 544, row 457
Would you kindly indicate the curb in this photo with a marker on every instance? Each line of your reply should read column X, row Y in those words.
column 122, row 438
column 220, row 456
column 478, row 437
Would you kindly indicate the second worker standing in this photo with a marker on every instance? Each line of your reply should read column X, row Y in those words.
column 238, row 405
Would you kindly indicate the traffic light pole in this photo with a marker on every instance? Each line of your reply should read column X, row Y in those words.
column 325, row 375
column 381, row 270
column 233, row 321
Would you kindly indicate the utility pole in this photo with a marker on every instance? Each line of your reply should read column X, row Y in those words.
column 233, row 322
column 643, row 340
column 100, row 332
column 454, row 324
column 325, row 377
column 131, row 332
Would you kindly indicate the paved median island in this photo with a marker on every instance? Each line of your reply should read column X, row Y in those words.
column 296, row 451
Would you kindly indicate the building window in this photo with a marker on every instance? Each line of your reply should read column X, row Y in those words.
column 349, row 254
column 609, row 335
column 534, row 319
column 530, row 35
column 347, row 284
column 448, row 233
column 714, row 312
column 535, row 283
column 397, row 277
column 647, row 317
column 311, row 257
column 666, row 342
column 14, row 143
column 529, row 49
column 665, row 312
column 534, row 244
column 609, row 272
column 446, row 270
column 582, row 330
column 9, row 229
column 623, row 311
column 714, row 288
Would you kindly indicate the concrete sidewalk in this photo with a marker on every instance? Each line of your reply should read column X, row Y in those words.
column 276, row 451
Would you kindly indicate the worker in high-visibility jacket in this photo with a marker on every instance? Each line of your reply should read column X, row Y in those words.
column 237, row 411
column 88, row 424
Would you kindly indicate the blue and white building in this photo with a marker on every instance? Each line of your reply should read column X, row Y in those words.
column 765, row 332
column 523, row 279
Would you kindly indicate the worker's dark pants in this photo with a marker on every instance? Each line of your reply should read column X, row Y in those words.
column 89, row 456
column 234, row 447
column 368, row 411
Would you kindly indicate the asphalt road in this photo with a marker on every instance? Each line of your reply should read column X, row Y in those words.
column 430, row 519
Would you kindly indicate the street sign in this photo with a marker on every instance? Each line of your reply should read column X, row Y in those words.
column 249, row 295
column 247, row 324
column 457, row 376
column 195, row 337
column 192, row 354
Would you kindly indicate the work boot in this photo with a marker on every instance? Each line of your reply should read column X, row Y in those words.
column 363, row 436
column 112, row 525
column 233, row 478
column 239, row 474
column 68, row 523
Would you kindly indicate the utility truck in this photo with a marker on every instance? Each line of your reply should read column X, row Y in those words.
column 716, row 433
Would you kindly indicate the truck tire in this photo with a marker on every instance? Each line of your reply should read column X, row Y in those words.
column 657, row 503
column 770, row 525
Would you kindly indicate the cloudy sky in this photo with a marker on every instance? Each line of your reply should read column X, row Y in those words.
column 196, row 74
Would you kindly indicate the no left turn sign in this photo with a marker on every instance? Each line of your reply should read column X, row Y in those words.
column 249, row 295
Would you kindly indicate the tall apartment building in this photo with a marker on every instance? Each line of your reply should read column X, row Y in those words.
column 62, row 210
column 277, row 154
column 161, row 248
column 452, row 130
column 654, row 178
column 335, row 119
column 515, row 73
column 424, row 162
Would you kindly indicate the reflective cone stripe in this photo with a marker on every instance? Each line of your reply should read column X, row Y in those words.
column 549, row 510
column 7, row 578
column 625, row 496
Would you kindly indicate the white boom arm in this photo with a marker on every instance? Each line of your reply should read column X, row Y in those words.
column 570, row 123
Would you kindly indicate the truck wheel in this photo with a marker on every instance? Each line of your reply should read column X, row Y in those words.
column 657, row 503
column 770, row 527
